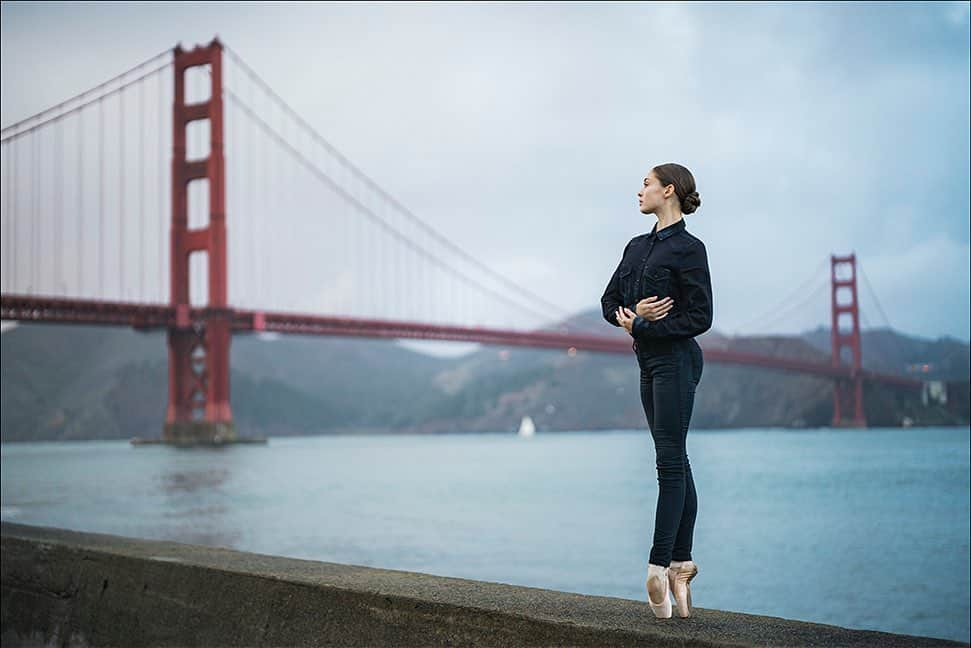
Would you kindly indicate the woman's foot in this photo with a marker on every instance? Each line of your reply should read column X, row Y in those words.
column 658, row 591
column 680, row 574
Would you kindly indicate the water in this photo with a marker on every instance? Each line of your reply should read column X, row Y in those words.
column 858, row 528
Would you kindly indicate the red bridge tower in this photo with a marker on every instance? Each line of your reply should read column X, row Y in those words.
column 198, row 407
column 842, row 339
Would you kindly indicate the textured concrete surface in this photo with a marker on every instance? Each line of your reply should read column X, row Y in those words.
column 68, row 588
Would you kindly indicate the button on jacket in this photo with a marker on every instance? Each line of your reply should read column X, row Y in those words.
column 666, row 263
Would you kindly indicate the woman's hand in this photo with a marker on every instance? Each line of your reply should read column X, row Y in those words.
column 653, row 310
column 625, row 317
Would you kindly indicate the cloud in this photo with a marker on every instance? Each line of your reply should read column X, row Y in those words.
column 922, row 285
column 958, row 12
column 521, row 132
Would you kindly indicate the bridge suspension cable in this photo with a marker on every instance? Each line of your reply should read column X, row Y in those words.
column 74, row 161
column 799, row 293
column 894, row 342
column 810, row 298
column 48, row 115
column 346, row 195
column 873, row 295
column 374, row 186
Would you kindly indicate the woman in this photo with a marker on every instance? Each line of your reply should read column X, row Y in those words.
column 661, row 294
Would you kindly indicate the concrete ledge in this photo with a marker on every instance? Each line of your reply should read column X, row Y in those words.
column 68, row 588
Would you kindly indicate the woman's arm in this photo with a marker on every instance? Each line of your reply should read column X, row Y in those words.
column 612, row 298
column 696, row 314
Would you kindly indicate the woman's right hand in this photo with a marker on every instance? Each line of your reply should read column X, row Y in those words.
column 652, row 310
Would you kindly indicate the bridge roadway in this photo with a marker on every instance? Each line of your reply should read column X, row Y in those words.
column 162, row 316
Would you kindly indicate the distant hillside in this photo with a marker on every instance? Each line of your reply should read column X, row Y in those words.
column 890, row 352
column 80, row 382
column 76, row 382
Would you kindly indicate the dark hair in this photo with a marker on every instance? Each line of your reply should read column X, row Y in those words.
column 684, row 184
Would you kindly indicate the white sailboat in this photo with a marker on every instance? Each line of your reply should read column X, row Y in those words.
column 526, row 427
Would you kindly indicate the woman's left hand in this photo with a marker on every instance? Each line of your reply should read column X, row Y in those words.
column 625, row 317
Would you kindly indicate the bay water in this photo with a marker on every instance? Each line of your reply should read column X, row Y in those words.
column 858, row 528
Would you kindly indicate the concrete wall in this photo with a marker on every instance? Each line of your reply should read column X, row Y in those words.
column 67, row 588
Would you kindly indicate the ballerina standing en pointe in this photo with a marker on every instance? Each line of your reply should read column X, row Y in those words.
column 661, row 295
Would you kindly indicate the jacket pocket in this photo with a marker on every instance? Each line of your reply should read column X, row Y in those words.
column 625, row 282
column 656, row 281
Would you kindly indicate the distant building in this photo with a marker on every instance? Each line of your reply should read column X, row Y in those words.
column 934, row 391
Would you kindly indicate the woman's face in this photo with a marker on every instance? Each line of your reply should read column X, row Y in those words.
column 652, row 195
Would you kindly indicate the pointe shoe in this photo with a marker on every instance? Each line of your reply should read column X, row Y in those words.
column 679, row 581
column 658, row 590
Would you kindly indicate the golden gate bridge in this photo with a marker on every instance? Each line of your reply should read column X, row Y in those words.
column 98, row 229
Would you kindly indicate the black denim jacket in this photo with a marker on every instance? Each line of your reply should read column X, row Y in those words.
column 669, row 263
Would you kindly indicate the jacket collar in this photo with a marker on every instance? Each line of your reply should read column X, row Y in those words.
column 667, row 231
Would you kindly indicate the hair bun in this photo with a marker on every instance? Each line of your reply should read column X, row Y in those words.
column 690, row 202
column 684, row 184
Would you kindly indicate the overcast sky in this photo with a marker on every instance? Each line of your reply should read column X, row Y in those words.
column 522, row 131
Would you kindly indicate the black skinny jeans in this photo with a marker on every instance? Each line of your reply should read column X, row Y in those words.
column 669, row 375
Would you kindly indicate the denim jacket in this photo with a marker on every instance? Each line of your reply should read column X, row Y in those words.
column 666, row 263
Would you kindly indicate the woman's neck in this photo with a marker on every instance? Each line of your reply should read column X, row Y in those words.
column 666, row 218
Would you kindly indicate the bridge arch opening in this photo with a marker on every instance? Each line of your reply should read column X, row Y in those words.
column 197, row 207
column 844, row 323
column 197, row 140
column 844, row 295
column 199, row 278
column 198, row 83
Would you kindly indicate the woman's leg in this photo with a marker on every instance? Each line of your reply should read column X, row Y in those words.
column 684, row 539
column 672, row 379
column 647, row 396
column 686, row 529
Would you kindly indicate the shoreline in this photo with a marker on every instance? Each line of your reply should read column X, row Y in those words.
column 68, row 587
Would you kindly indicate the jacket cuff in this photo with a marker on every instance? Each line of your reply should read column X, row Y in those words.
column 639, row 326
